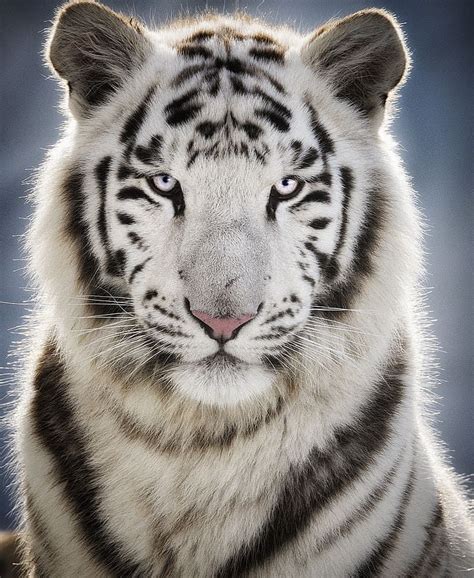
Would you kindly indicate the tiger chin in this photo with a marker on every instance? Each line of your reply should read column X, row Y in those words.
column 227, row 371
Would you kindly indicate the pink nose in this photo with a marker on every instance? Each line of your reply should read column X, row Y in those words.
column 222, row 327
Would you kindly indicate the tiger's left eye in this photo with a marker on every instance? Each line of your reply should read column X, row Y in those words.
column 164, row 183
column 286, row 186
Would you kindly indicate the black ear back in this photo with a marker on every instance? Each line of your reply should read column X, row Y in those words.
column 363, row 56
column 94, row 49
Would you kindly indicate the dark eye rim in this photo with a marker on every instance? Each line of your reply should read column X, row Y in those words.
column 172, row 193
column 276, row 195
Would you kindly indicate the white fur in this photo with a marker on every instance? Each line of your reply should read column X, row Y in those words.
column 144, row 491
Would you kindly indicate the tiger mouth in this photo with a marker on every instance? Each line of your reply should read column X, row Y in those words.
column 221, row 359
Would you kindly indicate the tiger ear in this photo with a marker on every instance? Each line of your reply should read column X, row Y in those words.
column 363, row 56
column 94, row 49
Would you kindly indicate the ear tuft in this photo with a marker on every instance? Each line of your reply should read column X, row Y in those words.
column 363, row 56
column 94, row 49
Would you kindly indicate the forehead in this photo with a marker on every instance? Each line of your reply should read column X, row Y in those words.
column 225, row 91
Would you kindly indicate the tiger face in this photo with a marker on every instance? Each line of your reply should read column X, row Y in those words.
column 220, row 184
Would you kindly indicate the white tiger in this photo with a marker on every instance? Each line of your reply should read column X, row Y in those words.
column 227, row 373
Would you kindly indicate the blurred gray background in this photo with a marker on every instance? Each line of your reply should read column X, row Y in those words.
column 434, row 128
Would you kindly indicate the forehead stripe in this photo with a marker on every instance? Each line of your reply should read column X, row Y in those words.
column 273, row 118
column 183, row 108
column 193, row 51
column 308, row 159
column 151, row 153
column 268, row 55
column 320, row 133
column 269, row 100
column 231, row 64
column 135, row 120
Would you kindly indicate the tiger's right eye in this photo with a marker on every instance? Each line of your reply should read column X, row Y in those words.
column 286, row 186
column 163, row 183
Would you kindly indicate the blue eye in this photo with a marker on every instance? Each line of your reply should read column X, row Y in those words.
column 164, row 182
column 286, row 186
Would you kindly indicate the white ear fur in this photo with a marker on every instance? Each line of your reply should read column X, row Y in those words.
column 94, row 49
column 363, row 56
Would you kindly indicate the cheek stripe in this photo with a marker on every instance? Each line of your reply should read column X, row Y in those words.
column 312, row 197
column 113, row 264
column 347, row 181
column 135, row 194
column 137, row 269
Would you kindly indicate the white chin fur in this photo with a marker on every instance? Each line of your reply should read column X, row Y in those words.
column 221, row 385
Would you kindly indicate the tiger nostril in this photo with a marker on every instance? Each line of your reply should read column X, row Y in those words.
column 222, row 328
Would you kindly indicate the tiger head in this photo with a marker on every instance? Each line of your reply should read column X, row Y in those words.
column 224, row 187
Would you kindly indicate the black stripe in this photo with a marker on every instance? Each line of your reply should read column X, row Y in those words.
column 200, row 36
column 233, row 65
column 165, row 312
column 76, row 227
column 150, row 154
column 137, row 269
column 347, row 182
column 238, row 86
column 309, row 280
column 268, row 54
column 236, row 66
column 192, row 158
column 135, row 121
column 320, row 133
column 183, row 108
column 439, row 552
column 167, row 330
column 374, row 564
column 203, row 440
column 263, row 38
column 276, row 106
column 308, row 159
column 101, row 173
column 309, row 487
column 273, row 118
column 125, row 171
column 322, row 258
column 137, row 240
column 432, row 529
column 364, row 510
column 296, row 146
column 324, row 178
column 135, row 194
column 55, row 424
column 208, row 128
column 342, row 295
column 183, row 115
column 125, row 219
column 119, row 261
column 312, row 197
column 183, row 100
column 188, row 50
column 252, row 130
column 320, row 223
column 186, row 74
